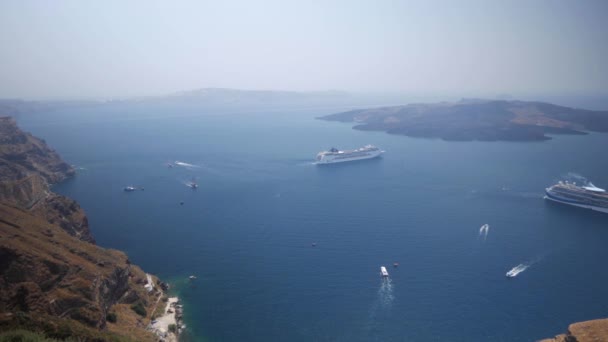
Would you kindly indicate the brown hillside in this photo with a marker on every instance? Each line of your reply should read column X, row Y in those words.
column 53, row 279
column 587, row 331
column 27, row 167
column 44, row 271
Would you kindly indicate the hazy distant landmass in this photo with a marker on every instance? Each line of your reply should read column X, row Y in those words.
column 225, row 98
column 484, row 120
column 218, row 100
column 213, row 100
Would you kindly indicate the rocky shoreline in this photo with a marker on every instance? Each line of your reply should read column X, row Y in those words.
column 169, row 325
column 54, row 280
column 587, row 331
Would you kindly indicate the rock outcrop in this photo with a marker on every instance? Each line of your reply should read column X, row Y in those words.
column 27, row 168
column 587, row 331
column 53, row 278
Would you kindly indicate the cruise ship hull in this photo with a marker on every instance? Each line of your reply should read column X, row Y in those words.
column 344, row 160
column 553, row 198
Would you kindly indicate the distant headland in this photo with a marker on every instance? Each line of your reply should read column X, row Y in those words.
column 475, row 119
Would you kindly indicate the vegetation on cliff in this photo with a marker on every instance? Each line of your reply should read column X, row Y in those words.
column 53, row 279
column 484, row 120
column 27, row 168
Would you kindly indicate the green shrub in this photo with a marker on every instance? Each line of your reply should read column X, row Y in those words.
column 63, row 332
column 111, row 317
column 139, row 309
column 23, row 336
column 172, row 328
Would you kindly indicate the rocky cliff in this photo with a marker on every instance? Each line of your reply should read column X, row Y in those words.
column 27, row 168
column 53, row 278
column 588, row 331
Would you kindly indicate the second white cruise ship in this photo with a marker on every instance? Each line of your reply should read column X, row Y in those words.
column 337, row 156
column 589, row 196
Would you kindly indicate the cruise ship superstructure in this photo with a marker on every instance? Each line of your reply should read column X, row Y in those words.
column 588, row 196
column 337, row 156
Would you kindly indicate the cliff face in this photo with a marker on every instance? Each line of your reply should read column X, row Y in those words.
column 52, row 278
column 27, row 167
column 27, row 153
column 588, row 331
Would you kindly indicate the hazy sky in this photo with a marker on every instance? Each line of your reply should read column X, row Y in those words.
column 125, row 48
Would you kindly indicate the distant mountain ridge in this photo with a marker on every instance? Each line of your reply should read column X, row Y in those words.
column 221, row 98
column 477, row 119
column 257, row 93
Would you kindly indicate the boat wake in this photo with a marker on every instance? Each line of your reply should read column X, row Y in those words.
column 380, row 311
column 189, row 183
column 533, row 195
column 385, row 293
column 483, row 231
column 522, row 267
column 505, row 192
column 517, row 270
column 186, row 165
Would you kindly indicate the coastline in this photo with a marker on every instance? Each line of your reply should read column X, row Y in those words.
column 68, row 286
column 169, row 325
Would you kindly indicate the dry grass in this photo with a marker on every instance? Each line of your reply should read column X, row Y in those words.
column 62, row 275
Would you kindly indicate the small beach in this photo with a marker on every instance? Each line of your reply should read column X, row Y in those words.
column 171, row 316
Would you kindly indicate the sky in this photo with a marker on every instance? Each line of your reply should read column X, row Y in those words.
column 100, row 49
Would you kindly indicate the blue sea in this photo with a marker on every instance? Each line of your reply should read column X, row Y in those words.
column 248, row 231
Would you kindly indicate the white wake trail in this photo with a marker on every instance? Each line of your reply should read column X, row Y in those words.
column 179, row 163
column 380, row 310
column 517, row 270
column 385, row 293
column 522, row 267
column 483, row 231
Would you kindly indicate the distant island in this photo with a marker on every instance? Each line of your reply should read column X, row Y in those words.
column 475, row 119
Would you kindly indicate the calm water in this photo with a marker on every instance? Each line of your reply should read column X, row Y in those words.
column 247, row 232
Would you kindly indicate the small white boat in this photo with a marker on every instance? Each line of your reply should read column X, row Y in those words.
column 130, row 188
column 517, row 270
column 193, row 185
column 383, row 272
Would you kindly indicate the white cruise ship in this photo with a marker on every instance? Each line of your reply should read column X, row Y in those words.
column 590, row 196
column 337, row 156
